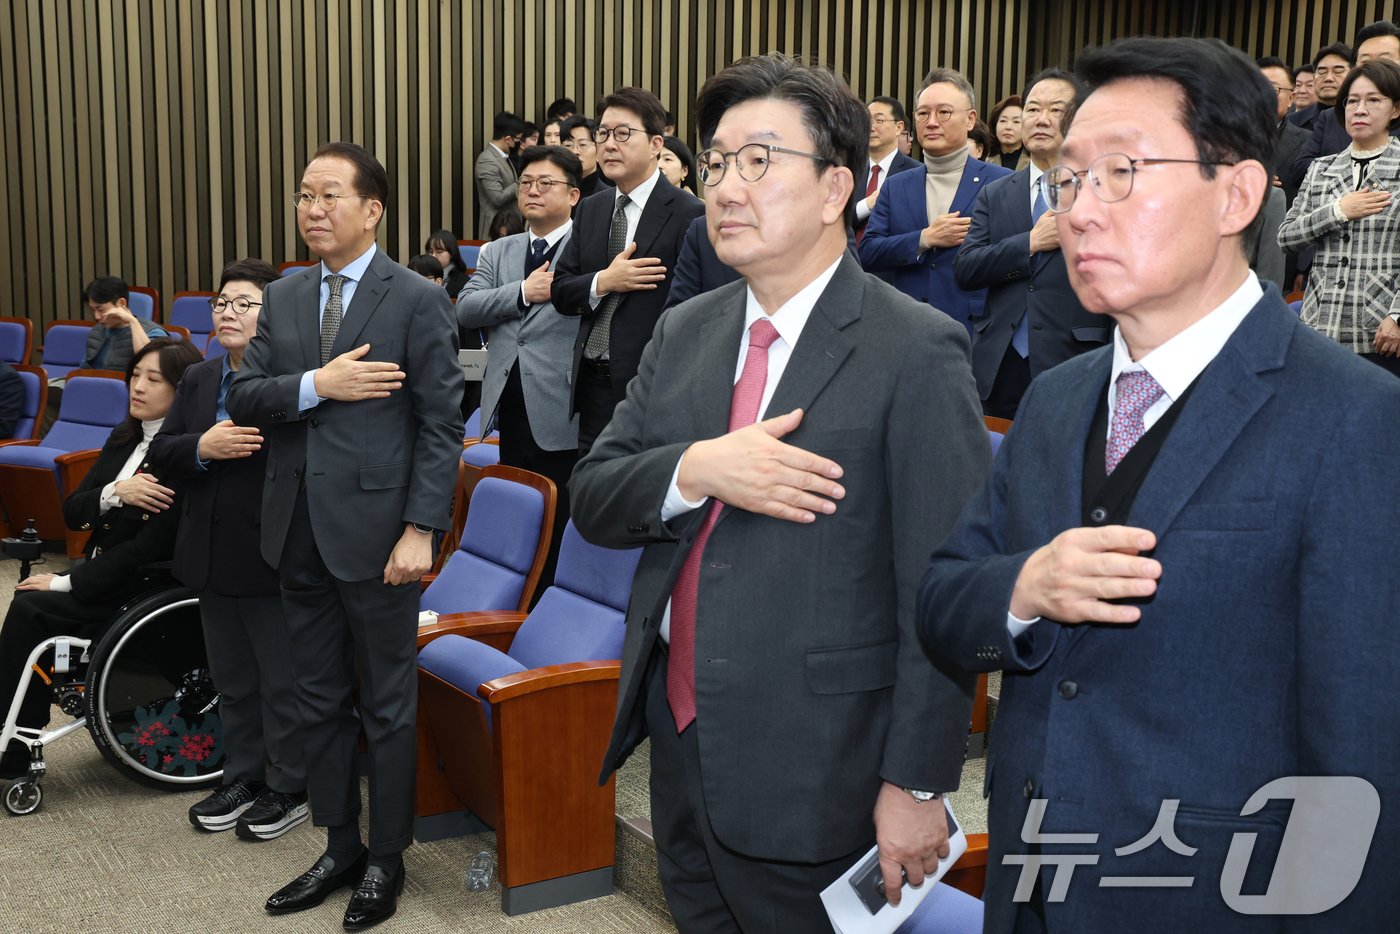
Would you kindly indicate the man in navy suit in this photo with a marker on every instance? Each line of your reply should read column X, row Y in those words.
column 921, row 218
column 887, row 121
column 1174, row 560
column 1012, row 250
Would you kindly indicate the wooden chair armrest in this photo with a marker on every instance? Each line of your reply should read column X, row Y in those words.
column 548, row 678
column 73, row 467
column 32, row 442
column 970, row 873
column 77, row 457
column 496, row 628
column 426, row 579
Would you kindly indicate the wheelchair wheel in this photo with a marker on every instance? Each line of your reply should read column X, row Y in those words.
column 152, row 708
column 23, row 796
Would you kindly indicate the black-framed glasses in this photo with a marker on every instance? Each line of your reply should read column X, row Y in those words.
column 1110, row 178
column 751, row 160
column 241, row 306
column 622, row 133
column 543, row 184
column 303, row 200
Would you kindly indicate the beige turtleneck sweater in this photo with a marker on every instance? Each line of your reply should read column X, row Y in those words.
column 942, row 179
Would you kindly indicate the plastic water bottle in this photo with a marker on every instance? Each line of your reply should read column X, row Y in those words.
column 480, row 871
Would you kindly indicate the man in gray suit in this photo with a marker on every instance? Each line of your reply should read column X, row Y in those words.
column 526, row 390
column 354, row 372
column 495, row 176
column 792, row 723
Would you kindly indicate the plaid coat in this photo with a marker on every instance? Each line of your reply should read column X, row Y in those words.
column 1355, row 279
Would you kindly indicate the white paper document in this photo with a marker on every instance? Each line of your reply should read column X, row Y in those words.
column 847, row 909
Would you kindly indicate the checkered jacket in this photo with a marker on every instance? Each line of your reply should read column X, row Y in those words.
column 1355, row 280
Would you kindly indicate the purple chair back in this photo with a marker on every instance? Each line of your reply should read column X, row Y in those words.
column 581, row 617
column 469, row 253
column 481, row 455
column 499, row 541
column 213, row 348
column 191, row 312
column 141, row 305
column 24, row 427
column 1297, row 306
column 92, row 406
column 14, row 342
column 65, row 345
column 996, row 438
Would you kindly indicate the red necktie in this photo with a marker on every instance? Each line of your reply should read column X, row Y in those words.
column 743, row 410
column 870, row 188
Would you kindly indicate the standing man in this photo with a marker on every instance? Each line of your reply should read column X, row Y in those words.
column 812, row 433
column 526, row 390
column 921, row 218
column 614, row 275
column 1332, row 66
column 577, row 138
column 1303, row 95
column 495, row 175
column 1012, row 250
column 353, row 372
column 1291, row 138
column 887, row 121
column 1164, row 560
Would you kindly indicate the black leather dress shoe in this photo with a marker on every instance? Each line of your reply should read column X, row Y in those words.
column 311, row 887
column 376, row 898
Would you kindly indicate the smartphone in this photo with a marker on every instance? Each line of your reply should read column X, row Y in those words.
column 869, row 881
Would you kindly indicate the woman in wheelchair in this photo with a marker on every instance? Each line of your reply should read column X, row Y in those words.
column 129, row 513
column 221, row 466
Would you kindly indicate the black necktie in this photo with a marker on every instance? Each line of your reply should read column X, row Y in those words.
column 538, row 247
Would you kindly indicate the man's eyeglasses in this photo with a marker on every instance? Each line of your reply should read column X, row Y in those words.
column 941, row 114
column 541, row 184
column 751, row 161
column 240, row 306
column 1110, row 178
column 622, row 133
column 303, row 201
column 881, row 121
column 1283, row 90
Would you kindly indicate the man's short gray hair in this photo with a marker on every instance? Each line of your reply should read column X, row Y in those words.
column 955, row 78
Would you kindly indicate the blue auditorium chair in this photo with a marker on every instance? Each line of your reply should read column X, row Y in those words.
column 16, row 339
column 190, row 310
column 65, row 346
column 36, row 396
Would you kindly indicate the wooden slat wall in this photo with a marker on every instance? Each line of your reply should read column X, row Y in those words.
column 157, row 139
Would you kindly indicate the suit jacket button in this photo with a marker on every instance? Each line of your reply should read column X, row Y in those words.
column 106, row 526
column 86, row 526
column 1098, row 515
column 315, row 423
column 1068, row 689
column 145, row 516
column 1029, row 790
column 1030, row 288
column 520, row 342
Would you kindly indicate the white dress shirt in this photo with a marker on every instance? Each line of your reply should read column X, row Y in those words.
column 788, row 321
column 1174, row 365
column 637, row 202
column 863, row 209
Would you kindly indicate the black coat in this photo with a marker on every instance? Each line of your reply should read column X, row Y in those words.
column 220, row 507
column 123, row 539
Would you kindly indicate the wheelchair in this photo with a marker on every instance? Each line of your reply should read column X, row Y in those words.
column 142, row 690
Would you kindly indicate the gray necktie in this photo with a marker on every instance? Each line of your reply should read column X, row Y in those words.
column 602, row 326
column 330, row 318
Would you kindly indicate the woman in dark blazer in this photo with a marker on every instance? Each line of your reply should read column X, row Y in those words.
column 221, row 467
column 128, row 508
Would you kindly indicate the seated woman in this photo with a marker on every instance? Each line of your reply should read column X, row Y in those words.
column 129, row 512
column 221, row 466
column 1346, row 210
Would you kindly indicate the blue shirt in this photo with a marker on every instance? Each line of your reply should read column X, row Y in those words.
column 220, row 409
column 353, row 272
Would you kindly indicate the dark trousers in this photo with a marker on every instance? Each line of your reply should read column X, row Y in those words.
column 519, row 449
column 1013, row 378
column 709, row 887
column 250, row 658
column 595, row 400
column 337, row 628
column 36, row 615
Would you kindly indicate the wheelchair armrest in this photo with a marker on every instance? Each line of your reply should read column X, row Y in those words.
column 495, row 628
column 551, row 677
column 73, row 467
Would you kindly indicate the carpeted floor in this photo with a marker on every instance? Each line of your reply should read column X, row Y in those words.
column 106, row 855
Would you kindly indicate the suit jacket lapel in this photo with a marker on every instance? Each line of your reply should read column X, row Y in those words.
column 1020, row 190
column 370, row 291
column 1230, row 391
column 554, row 259
column 971, row 183
column 308, row 296
column 654, row 215
column 823, row 347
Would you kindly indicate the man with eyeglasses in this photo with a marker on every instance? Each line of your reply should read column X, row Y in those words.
column 793, row 447
column 577, row 137
column 920, row 219
column 494, row 173
column 887, row 121
column 1378, row 40
column 615, row 273
column 1012, row 250
column 1164, row 561
column 353, row 373
column 524, row 393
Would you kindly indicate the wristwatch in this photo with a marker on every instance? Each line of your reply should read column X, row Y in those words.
column 1394, row 316
column 923, row 796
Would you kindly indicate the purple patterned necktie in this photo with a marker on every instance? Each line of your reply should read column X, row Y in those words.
column 1135, row 393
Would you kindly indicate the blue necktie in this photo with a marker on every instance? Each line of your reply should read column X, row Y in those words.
column 538, row 247
column 1021, row 338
